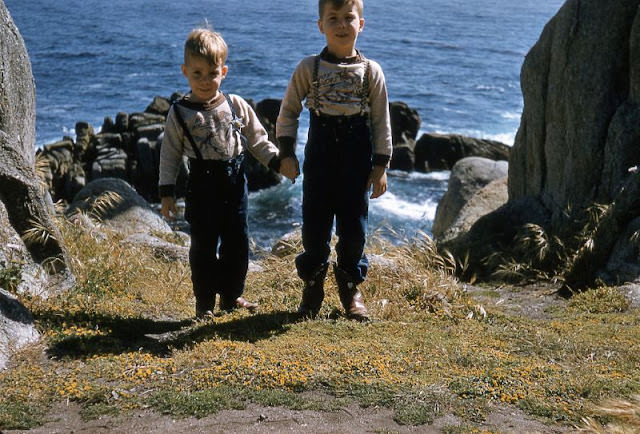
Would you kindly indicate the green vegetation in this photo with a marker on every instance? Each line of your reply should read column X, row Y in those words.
column 124, row 339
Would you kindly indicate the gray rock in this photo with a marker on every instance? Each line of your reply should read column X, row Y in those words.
column 32, row 256
column 578, row 133
column 484, row 201
column 577, row 139
column 161, row 248
column 115, row 203
column 16, row 327
column 442, row 151
column 405, row 123
column 468, row 176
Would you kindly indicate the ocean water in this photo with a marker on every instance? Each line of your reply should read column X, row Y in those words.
column 457, row 62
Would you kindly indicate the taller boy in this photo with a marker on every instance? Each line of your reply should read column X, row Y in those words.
column 348, row 149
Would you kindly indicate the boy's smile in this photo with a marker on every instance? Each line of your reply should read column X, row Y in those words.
column 204, row 78
column 341, row 27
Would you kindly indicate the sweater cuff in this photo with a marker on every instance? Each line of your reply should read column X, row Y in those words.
column 381, row 160
column 274, row 164
column 167, row 190
column 287, row 146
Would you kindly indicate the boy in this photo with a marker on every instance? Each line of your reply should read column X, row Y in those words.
column 213, row 130
column 347, row 152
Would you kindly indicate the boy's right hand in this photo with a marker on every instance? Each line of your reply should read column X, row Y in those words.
column 169, row 209
column 290, row 168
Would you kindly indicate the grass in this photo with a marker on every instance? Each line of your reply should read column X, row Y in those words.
column 124, row 340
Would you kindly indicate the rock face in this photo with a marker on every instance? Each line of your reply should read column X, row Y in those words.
column 579, row 131
column 28, row 232
column 578, row 139
column 32, row 258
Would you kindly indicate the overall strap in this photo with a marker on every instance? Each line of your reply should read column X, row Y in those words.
column 236, row 122
column 364, row 98
column 315, row 107
column 231, row 107
column 186, row 131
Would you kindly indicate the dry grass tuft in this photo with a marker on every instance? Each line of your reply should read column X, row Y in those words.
column 625, row 416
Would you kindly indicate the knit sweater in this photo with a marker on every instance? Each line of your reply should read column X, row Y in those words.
column 211, row 126
column 338, row 92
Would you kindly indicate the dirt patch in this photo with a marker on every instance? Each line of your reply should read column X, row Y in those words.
column 536, row 301
column 65, row 418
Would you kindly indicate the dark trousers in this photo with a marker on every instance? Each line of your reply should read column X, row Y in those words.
column 216, row 208
column 336, row 168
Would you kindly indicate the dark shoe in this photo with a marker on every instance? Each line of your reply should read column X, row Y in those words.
column 202, row 314
column 238, row 303
column 350, row 296
column 203, row 310
column 313, row 293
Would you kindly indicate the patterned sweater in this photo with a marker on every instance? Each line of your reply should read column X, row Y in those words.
column 211, row 126
column 338, row 92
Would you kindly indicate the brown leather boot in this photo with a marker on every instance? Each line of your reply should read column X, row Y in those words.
column 350, row 296
column 313, row 293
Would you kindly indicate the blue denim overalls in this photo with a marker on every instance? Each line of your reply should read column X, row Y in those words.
column 337, row 165
column 216, row 208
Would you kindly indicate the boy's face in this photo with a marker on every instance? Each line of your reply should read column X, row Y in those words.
column 204, row 78
column 341, row 27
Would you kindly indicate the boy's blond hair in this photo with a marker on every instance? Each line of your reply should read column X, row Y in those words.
column 337, row 4
column 207, row 44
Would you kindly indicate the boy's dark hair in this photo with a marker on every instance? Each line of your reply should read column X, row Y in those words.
column 337, row 4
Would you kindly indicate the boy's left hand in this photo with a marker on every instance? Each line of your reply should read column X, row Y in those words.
column 290, row 168
column 378, row 178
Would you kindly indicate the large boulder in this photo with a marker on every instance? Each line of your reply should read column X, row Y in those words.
column 32, row 257
column 484, row 201
column 113, row 202
column 576, row 147
column 468, row 177
column 442, row 151
column 581, row 85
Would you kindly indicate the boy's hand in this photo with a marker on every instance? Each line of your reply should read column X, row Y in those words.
column 169, row 209
column 378, row 178
column 290, row 168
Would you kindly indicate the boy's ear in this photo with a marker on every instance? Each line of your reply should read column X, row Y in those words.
column 184, row 70
column 225, row 69
column 320, row 26
column 361, row 24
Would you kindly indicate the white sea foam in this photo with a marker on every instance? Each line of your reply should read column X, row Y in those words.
column 390, row 205
column 511, row 115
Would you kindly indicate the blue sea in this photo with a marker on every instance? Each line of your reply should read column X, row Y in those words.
column 457, row 62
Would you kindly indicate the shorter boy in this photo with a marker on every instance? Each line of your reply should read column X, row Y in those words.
column 347, row 152
column 213, row 130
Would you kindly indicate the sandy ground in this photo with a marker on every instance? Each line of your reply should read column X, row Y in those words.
column 255, row 419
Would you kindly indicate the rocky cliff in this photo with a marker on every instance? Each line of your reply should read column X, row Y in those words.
column 572, row 182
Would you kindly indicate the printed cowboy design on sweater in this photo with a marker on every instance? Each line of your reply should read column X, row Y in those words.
column 333, row 87
column 217, row 133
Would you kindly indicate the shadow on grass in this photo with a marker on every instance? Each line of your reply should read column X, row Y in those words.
column 119, row 335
